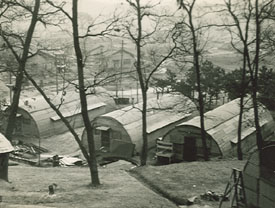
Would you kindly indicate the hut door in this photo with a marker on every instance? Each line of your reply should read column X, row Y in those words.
column 18, row 125
column 105, row 139
column 189, row 149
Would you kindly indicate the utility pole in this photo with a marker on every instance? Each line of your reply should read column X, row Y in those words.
column 121, row 65
column 10, row 86
column 56, row 73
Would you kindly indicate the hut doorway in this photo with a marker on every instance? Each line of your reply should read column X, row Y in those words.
column 105, row 137
column 189, row 149
column 18, row 125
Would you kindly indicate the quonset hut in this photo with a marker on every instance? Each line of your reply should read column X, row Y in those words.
column 259, row 178
column 221, row 126
column 35, row 118
column 5, row 148
column 120, row 132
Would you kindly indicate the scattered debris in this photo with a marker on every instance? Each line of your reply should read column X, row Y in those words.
column 211, row 196
column 70, row 161
column 34, row 155
column 192, row 200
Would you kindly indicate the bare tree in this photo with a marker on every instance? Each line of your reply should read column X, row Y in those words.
column 83, row 88
column 136, row 31
column 249, row 18
column 194, row 33
column 21, row 56
column 19, row 45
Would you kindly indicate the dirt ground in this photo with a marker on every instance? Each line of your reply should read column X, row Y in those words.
column 29, row 188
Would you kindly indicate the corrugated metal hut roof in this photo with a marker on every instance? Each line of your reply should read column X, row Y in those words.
column 5, row 145
column 169, row 108
column 222, row 123
column 69, row 104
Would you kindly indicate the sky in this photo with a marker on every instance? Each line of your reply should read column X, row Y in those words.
column 96, row 7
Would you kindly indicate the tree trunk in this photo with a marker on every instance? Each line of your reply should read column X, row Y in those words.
column 144, row 151
column 255, row 78
column 84, row 112
column 239, row 145
column 243, row 85
column 4, row 162
column 201, row 102
column 14, row 105
column 143, row 154
column 201, row 109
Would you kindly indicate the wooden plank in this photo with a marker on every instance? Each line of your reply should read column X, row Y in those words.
column 164, row 143
column 163, row 154
column 164, row 148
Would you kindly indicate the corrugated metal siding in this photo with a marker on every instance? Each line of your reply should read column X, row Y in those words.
column 41, row 113
column 259, row 189
column 222, row 124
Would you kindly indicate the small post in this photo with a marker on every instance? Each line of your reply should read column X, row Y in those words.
column 51, row 190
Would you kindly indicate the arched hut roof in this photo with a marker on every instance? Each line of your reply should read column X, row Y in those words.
column 5, row 145
column 68, row 104
column 162, row 111
column 222, row 123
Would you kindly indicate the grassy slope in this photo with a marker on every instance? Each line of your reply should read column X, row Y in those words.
column 184, row 180
column 118, row 189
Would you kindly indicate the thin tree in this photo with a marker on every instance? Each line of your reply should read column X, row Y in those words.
column 188, row 8
column 135, row 30
column 250, row 34
column 89, row 155
column 244, row 36
column 21, row 55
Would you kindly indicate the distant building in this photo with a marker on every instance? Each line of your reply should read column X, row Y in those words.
column 122, row 60
column 47, row 67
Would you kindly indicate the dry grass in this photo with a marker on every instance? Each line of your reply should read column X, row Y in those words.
column 181, row 181
column 30, row 187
